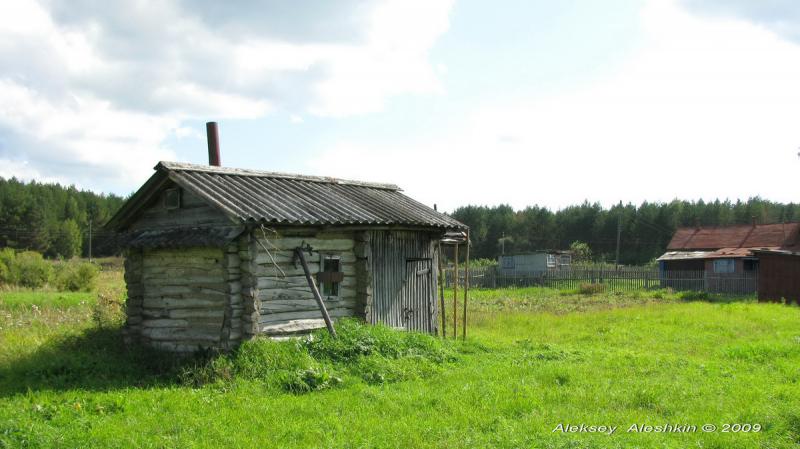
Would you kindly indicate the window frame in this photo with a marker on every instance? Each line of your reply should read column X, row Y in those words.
column 323, row 257
column 730, row 265
column 174, row 192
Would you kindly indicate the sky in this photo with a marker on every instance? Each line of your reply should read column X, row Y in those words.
column 458, row 102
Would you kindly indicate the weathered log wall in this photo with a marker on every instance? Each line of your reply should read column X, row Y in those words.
column 278, row 290
column 181, row 299
column 133, row 304
column 192, row 298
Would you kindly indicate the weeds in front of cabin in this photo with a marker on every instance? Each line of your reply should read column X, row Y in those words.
column 373, row 354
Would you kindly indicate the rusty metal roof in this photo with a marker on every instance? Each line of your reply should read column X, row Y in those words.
column 281, row 198
column 738, row 236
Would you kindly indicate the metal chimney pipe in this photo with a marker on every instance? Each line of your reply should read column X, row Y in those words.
column 212, row 132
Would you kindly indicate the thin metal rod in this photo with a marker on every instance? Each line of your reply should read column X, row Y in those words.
column 441, row 290
column 328, row 323
column 466, row 290
column 455, row 294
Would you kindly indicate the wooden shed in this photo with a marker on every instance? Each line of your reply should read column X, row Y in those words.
column 211, row 255
column 780, row 276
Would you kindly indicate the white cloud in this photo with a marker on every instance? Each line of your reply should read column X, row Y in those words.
column 706, row 109
column 104, row 84
column 395, row 60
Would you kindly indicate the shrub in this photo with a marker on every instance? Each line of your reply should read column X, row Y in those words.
column 693, row 296
column 31, row 270
column 356, row 340
column 592, row 289
column 310, row 379
column 76, row 276
column 7, row 257
column 107, row 313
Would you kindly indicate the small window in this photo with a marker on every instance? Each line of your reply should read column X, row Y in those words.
column 750, row 265
column 330, row 276
column 724, row 266
column 551, row 261
column 508, row 262
column 566, row 259
column 172, row 199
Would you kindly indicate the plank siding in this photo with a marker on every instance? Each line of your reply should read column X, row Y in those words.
column 404, row 280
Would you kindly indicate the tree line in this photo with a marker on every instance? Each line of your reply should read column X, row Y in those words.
column 54, row 220
column 645, row 230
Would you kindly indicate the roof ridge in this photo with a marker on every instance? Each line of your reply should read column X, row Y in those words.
column 183, row 166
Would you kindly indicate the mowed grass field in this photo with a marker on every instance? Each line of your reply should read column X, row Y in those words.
column 535, row 359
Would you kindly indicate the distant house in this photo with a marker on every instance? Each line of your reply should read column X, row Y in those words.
column 726, row 249
column 534, row 262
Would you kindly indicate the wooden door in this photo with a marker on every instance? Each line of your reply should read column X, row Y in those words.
column 404, row 280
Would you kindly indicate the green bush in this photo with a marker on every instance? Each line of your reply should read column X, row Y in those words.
column 310, row 379
column 356, row 339
column 108, row 312
column 592, row 289
column 693, row 296
column 31, row 270
column 76, row 276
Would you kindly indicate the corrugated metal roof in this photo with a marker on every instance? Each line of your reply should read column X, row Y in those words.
column 685, row 255
column 739, row 236
column 280, row 198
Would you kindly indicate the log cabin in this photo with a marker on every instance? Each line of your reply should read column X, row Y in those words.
column 211, row 256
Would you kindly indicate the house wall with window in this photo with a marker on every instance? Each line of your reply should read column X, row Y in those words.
column 532, row 263
column 732, row 265
column 282, row 300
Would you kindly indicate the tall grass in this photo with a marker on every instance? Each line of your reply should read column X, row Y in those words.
column 535, row 358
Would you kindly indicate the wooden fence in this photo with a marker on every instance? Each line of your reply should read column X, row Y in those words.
column 622, row 279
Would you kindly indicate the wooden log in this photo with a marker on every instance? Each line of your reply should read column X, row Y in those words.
column 183, row 303
column 270, row 307
column 296, row 282
column 181, row 335
column 293, row 326
column 165, row 322
column 196, row 313
column 304, row 314
column 320, row 243
column 288, row 270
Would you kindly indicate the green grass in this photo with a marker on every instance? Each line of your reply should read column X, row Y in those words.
column 535, row 358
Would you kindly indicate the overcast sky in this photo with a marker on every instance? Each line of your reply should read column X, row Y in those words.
column 458, row 102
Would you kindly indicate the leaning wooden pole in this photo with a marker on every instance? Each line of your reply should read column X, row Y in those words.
column 298, row 252
column 466, row 290
column 442, row 278
column 455, row 292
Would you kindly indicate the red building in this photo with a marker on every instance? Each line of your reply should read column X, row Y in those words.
column 727, row 249
column 724, row 252
column 780, row 275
